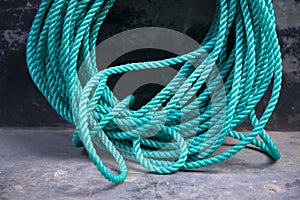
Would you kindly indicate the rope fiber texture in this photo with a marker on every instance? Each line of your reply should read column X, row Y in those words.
column 198, row 111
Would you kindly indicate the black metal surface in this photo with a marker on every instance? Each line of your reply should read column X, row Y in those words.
column 21, row 105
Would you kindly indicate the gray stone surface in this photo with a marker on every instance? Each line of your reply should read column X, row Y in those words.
column 43, row 164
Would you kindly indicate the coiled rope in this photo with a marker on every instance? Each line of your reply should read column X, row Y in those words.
column 63, row 34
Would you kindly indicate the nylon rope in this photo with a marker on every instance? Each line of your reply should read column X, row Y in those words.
column 64, row 32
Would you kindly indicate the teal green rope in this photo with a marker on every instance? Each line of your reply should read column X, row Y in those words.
column 64, row 33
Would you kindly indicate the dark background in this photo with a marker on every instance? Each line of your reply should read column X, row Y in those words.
column 21, row 104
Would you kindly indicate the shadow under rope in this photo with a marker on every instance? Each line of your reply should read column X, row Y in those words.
column 57, row 144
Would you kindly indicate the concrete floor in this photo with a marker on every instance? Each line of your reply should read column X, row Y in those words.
column 43, row 164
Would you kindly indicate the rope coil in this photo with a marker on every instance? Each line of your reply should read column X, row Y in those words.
column 169, row 133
